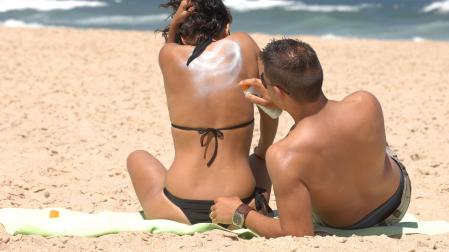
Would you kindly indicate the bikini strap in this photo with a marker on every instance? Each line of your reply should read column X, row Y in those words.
column 217, row 133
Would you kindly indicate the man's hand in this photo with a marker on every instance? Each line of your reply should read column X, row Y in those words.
column 262, row 97
column 268, row 125
column 223, row 209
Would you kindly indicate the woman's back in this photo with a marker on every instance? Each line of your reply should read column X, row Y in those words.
column 204, row 95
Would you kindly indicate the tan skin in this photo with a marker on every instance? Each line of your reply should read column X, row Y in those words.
column 232, row 173
column 332, row 161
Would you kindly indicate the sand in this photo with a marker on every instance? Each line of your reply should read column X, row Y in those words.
column 75, row 103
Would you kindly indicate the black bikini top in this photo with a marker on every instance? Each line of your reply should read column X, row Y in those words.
column 199, row 49
column 216, row 132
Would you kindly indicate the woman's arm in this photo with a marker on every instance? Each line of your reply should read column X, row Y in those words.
column 184, row 10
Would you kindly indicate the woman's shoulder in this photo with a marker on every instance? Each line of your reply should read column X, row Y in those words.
column 170, row 48
column 172, row 51
column 240, row 37
column 244, row 40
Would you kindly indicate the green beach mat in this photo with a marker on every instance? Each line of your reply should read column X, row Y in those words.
column 38, row 222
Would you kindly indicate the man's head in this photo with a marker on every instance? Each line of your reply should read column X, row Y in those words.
column 293, row 66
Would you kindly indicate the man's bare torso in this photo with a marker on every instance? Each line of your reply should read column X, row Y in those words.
column 341, row 159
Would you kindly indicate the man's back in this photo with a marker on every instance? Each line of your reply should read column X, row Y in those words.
column 339, row 155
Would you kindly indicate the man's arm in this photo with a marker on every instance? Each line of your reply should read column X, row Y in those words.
column 292, row 198
column 268, row 125
column 268, row 129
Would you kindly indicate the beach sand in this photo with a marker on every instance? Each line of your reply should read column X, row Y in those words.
column 75, row 103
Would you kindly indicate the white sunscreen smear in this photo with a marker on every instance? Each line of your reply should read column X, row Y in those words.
column 218, row 68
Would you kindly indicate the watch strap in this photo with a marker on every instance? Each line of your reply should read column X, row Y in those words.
column 244, row 209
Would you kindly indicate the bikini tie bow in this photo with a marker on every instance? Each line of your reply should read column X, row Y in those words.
column 217, row 133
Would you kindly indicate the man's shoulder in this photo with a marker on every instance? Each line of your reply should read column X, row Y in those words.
column 366, row 106
column 363, row 97
column 289, row 152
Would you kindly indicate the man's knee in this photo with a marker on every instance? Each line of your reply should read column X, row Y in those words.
column 134, row 158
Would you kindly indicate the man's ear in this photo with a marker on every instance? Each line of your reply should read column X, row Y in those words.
column 279, row 92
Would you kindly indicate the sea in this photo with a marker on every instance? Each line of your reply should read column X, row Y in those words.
column 378, row 19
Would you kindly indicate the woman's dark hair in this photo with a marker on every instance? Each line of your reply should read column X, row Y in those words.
column 207, row 21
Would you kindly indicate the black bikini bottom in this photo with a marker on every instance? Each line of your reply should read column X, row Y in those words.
column 197, row 211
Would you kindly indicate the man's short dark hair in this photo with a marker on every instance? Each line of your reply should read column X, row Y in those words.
column 294, row 66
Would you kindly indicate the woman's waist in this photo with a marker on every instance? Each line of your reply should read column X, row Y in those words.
column 207, row 183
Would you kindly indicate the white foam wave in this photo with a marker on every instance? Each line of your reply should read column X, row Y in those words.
column 122, row 20
column 249, row 5
column 418, row 39
column 440, row 6
column 19, row 23
column 47, row 5
column 330, row 36
column 329, row 8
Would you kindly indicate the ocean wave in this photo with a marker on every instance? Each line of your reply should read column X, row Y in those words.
column 250, row 5
column 19, row 23
column 440, row 6
column 46, row 5
column 418, row 39
column 122, row 20
column 330, row 36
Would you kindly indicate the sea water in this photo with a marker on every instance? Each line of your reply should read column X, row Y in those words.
column 380, row 19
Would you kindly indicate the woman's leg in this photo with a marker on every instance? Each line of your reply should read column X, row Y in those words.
column 148, row 176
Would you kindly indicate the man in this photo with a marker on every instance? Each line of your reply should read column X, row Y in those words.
column 334, row 167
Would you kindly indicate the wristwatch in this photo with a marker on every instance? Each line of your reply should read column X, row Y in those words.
column 238, row 219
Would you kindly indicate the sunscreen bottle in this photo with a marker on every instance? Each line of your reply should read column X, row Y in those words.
column 272, row 112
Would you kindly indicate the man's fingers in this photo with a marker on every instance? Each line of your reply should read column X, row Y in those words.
column 257, row 86
column 251, row 82
column 257, row 100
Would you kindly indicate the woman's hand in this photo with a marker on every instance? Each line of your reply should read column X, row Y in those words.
column 185, row 9
column 261, row 97
column 223, row 209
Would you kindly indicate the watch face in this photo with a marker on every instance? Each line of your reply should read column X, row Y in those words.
column 237, row 219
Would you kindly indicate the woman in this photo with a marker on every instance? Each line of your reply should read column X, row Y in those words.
column 202, row 65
